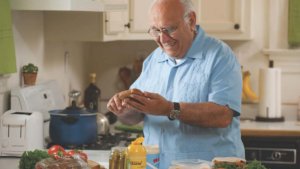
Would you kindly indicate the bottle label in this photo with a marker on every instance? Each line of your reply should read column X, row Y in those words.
column 152, row 159
column 137, row 162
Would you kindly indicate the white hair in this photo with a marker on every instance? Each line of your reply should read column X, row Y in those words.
column 187, row 4
column 188, row 8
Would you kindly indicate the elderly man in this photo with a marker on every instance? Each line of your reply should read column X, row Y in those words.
column 191, row 87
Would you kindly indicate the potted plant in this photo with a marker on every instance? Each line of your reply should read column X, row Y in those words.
column 29, row 72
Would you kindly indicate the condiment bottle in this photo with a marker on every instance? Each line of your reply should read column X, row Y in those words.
column 122, row 160
column 137, row 154
column 91, row 95
column 114, row 158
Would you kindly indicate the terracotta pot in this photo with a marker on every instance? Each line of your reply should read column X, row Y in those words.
column 29, row 78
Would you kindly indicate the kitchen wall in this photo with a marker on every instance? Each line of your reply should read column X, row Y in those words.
column 107, row 58
column 70, row 62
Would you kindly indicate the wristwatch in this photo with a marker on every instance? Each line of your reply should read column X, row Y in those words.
column 175, row 112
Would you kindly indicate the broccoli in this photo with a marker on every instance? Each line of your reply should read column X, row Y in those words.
column 30, row 158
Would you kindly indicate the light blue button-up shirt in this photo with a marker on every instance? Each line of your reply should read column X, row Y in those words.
column 208, row 73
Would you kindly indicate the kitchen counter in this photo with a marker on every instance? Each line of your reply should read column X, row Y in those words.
column 284, row 129
column 100, row 156
column 248, row 128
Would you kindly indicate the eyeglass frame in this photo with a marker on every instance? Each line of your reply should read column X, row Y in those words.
column 168, row 30
column 156, row 31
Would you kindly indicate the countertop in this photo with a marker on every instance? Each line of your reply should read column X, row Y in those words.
column 248, row 128
column 283, row 129
column 99, row 156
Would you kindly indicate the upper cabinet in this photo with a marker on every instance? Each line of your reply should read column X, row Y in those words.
column 131, row 24
column 68, row 5
column 226, row 19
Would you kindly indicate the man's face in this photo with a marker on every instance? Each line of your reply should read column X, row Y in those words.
column 175, row 36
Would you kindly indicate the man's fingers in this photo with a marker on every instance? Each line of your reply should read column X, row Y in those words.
column 133, row 103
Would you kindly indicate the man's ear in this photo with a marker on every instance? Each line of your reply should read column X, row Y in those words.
column 192, row 19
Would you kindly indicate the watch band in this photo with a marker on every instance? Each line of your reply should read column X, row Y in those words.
column 175, row 112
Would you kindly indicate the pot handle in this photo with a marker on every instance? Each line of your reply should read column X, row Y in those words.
column 70, row 119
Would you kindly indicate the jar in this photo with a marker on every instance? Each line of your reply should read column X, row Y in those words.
column 113, row 158
column 117, row 158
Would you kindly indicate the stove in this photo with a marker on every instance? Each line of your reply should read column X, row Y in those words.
column 273, row 152
column 104, row 142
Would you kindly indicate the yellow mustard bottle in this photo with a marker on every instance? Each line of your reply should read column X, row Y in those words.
column 137, row 154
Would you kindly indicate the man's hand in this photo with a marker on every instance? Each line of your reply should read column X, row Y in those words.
column 125, row 113
column 149, row 103
column 115, row 105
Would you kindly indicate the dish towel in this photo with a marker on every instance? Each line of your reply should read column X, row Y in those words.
column 294, row 23
column 7, row 49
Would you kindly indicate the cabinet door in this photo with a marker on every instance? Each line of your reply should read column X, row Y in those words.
column 226, row 19
column 138, row 14
column 69, row 5
column 115, row 22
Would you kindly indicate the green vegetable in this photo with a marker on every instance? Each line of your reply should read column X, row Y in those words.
column 255, row 165
column 226, row 166
column 251, row 165
column 30, row 158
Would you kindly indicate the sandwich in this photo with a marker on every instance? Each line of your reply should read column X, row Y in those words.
column 229, row 163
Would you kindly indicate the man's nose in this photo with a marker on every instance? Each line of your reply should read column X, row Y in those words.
column 164, row 36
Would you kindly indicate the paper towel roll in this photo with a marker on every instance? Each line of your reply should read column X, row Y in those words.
column 270, row 93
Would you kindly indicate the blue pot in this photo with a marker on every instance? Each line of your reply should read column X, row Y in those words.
column 73, row 126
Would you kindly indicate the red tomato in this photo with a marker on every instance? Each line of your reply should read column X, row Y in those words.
column 81, row 154
column 57, row 151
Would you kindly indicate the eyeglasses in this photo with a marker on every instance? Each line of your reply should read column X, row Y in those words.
column 155, row 32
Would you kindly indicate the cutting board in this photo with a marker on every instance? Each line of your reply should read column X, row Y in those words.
column 94, row 165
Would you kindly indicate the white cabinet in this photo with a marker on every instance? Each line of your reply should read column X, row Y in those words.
column 69, row 5
column 225, row 19
column 115, row 22
column 129, row 25
column 138, row 16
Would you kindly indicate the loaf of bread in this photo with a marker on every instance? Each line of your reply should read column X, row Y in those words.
column 127, row 93
column 63, row 163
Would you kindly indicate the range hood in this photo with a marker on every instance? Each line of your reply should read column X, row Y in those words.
column 69, row 5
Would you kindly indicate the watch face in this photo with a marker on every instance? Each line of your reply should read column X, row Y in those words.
column 174, row 114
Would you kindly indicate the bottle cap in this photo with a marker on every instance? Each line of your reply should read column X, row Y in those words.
column 138, row 141
column 93, row 77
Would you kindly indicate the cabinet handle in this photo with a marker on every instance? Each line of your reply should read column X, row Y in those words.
column 127, row 25
column 236, row 26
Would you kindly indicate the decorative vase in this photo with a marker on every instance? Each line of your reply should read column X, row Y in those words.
column 29, row 78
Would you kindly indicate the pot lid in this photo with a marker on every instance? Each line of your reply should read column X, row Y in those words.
column 73, row 109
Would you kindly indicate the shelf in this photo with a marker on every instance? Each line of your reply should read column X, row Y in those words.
column 286, row 59
column 282, row 52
